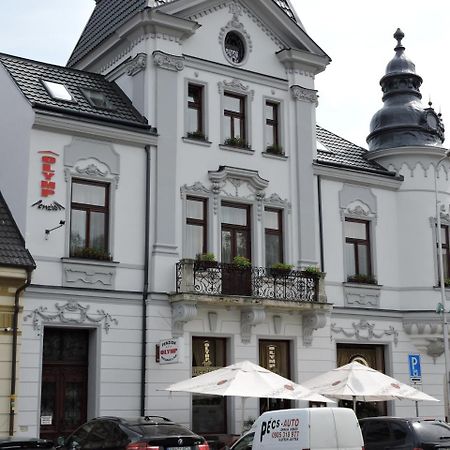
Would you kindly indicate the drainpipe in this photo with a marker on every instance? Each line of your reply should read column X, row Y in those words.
column 319, row 201
column 145, row 287
column 12, row 397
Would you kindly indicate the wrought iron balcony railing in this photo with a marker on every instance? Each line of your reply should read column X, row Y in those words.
column 213, row 278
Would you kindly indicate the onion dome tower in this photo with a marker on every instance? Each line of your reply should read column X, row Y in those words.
column 403, row 120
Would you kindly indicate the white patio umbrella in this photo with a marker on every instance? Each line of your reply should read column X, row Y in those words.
column 246, row 379
column 356, row 381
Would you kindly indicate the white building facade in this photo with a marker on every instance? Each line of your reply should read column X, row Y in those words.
column 237, row 168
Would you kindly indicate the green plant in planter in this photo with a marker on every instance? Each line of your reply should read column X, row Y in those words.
column 208, row 256
column 362, row 278
column 99, row 254
column 275, row 149
column 312, row 270
column 236, row 142
column 196, row 135
column 242, row 262
column 281, row 266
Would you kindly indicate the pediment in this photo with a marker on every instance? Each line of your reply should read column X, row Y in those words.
column 272, row 21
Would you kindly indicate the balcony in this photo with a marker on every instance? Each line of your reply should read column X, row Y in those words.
column 212, row 278
column 255, row 291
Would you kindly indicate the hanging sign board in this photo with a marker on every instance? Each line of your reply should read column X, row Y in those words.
column 169, row 351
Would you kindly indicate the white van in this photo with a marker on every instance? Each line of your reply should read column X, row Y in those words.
column 304, row 429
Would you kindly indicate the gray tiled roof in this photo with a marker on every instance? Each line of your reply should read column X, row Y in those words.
column 12, row 245
column 339, row 152
column 28, row 76
column 109, row 15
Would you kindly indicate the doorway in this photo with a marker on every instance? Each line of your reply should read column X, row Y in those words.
column 235, row 232
column 371, row 356
column 275, row 356
column 64, row 381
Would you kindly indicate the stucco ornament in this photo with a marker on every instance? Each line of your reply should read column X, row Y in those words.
column 304, row 94
column 236, row 86
column 234, row 25
column 181, row 314
column 249, row 319
column 137, row 64
column 310, row 322
column 69, row 313
column 365, row 331
column 167, row 61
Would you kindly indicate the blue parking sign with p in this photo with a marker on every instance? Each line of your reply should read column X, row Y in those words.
column 415, row 371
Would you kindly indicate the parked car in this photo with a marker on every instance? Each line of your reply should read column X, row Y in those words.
column 245, row 442
column 142, row 433
column 400, row 433
column 16, row 443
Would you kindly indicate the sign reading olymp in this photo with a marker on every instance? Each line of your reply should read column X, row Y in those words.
column 169, row 351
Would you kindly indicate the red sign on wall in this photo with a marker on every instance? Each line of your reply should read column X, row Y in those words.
column 47, row 184
column 48, row 160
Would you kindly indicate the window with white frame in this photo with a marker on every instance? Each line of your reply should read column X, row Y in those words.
column 234, row 116
column 89, row 221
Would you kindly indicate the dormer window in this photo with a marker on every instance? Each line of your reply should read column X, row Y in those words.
column 58, row 91
column 97, row 98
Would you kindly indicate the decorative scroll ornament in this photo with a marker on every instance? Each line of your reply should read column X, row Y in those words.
column 70, row 313
column 249, row 319
column 304, row 94
column 137, row 64
column 91, row 170
column 167, row 61
column 312, row 321
column 181, row 314
column 196, row 188
column 364, row 331
column 236, row 86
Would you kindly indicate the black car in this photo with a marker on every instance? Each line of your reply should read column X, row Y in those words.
column 381, row 433
column 142, row 433
column 18, row 443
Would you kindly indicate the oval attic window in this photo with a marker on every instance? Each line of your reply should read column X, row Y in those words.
column 234, row 47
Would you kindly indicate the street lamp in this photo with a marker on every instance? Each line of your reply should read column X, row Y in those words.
column 442, row 286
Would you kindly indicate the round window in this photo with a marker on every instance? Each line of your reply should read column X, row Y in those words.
column 234, row 47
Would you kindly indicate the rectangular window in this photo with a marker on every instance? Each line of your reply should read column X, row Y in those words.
column 273, row 231
column 89, row 219
column 272, row 132
column 357, row 250
column 195, row 125
column 234, row 117
column 196, row 226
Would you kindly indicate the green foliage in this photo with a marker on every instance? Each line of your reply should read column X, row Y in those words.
column 242, row 262
column 281, row 266
column 209, row 256
column 236, row 142
column 275, row 149
column 99, row 254
column 196, row 135
column 362, row 278
column 314, row 270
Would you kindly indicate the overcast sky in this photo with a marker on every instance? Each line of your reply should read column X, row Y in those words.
column 356, row 34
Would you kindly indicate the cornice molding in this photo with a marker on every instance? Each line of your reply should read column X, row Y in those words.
column 354, row 176
column 44, row 121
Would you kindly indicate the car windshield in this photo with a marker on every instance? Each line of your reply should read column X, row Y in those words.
column 163, row 429
column 432, row 431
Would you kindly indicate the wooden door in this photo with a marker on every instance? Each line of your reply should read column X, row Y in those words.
column 64, row 382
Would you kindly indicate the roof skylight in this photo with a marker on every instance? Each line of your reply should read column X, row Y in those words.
column 58, row 91
column 97, row 98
